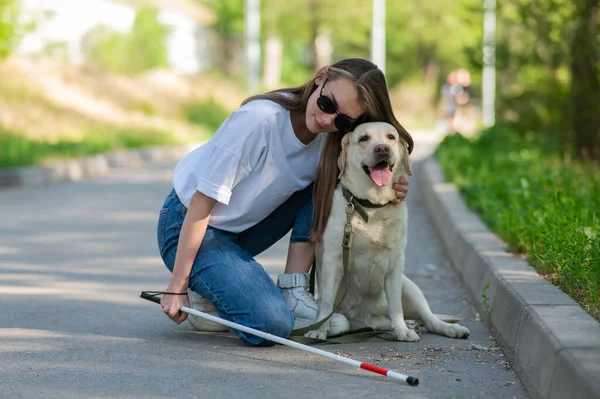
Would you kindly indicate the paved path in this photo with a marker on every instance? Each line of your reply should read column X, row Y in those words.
column 74, row 258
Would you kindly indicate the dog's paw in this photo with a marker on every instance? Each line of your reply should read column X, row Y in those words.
column 318, row 334
column 406, row 334
column 457, row 331
column 414, row 325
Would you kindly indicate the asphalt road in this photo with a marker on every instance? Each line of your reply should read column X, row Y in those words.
column 74, row 258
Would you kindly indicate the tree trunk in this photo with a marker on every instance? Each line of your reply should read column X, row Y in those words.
column 323, row 48
column 314, row 7
column 432, row 76
column 585, row 81
column 273, row 62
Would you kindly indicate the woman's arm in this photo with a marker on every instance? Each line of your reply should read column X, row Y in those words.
column 192, row 234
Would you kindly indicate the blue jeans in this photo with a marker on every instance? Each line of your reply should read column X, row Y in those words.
column 225, row 272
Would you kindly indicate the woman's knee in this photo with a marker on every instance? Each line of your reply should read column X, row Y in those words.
column 250, row 299
column 276, row 319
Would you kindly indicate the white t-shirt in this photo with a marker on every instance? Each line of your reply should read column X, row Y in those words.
column 253, row 164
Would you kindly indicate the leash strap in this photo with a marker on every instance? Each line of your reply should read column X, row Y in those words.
column 355, row 205
column 359, row 335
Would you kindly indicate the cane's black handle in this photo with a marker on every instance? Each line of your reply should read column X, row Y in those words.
column 150, row 297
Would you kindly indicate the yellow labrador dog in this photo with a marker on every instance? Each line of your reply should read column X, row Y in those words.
column 374, row 292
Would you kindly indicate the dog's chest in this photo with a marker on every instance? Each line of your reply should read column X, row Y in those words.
column 371, row 236
column 376, row 244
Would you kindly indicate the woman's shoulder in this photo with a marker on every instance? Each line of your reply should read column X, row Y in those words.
column 255, row 117
column 262, row 107
column 258, row 114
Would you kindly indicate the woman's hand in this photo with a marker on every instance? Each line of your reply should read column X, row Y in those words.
column 401, row 189
column 171, row 305
column 190, row 238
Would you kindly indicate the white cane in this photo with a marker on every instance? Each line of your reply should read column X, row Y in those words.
column 355, row 363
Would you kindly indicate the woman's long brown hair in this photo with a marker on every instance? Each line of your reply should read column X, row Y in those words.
column 372, row 92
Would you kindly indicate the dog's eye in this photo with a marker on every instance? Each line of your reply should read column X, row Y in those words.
column 391, row 137
column 363, row 138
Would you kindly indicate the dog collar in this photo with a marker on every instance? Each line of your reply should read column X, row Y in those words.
column 360, row 203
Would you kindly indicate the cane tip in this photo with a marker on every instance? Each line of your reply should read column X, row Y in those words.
column 412, row 381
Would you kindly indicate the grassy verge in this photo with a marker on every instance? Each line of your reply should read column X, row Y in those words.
column 540, row 205
column 50, row 110
column 16, row 150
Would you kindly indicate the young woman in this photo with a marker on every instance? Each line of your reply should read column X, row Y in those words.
column 251, row 184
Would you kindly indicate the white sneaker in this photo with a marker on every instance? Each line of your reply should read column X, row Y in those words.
column 198, row 302
column 300, row 301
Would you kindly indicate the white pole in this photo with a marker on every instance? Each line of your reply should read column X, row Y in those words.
column 378, row 34
column 489, row 63
column 355, row 363
column 252, row 45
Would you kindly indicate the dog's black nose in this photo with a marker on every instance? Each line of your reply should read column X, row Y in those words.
column 382, row 149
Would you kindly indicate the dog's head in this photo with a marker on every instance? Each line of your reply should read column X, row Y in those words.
column 373, row 154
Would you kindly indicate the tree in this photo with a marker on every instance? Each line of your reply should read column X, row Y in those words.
column 143, row 48
column 532, row 59
column 427, row 39
column 9, row 27
column 548, row 71
column 229, row 27
column 147, row 42
column 585, row 79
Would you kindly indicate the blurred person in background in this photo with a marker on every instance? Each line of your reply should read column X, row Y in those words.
column 251, row 184
column 455, row 93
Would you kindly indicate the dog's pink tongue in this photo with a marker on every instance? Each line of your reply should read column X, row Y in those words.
column 381, row 177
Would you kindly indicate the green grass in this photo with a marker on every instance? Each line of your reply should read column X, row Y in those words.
column 206, row 113
column 540, row 205
column 16, row 150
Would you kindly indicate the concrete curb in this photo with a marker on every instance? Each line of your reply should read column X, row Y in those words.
column 77, row 169
column 552, row 343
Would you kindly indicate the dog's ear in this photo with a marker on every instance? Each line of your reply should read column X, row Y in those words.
column 342, row 158
column 406, row 160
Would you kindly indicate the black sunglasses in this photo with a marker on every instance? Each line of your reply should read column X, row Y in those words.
column 342, row 123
